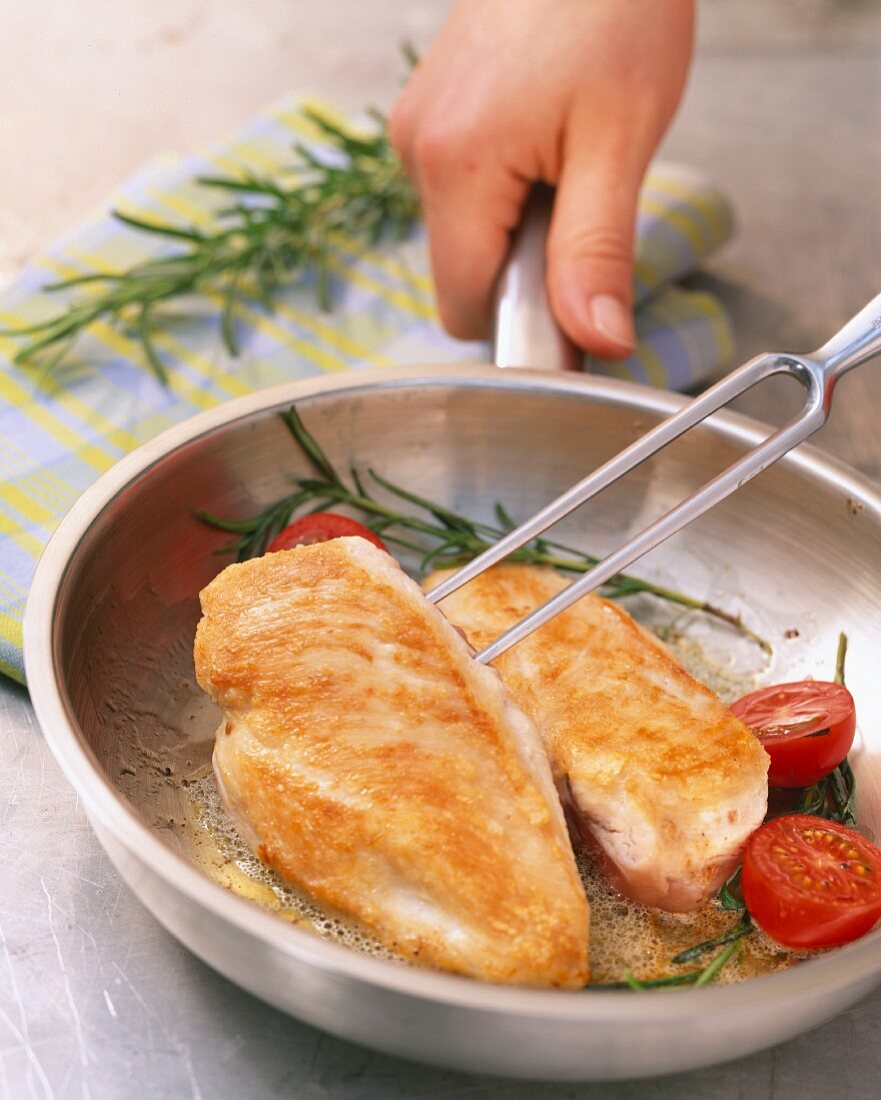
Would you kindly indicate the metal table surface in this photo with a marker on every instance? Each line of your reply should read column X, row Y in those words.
column 96, row 1000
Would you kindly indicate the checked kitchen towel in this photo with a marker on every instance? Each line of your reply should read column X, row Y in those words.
column 58, row 435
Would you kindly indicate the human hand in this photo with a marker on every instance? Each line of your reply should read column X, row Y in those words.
column 572, row 93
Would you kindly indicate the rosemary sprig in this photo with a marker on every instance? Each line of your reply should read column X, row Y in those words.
column 692, row 954
column 444, row 539
column 834, row 796
column 271, row 233
column 714, row 966
column 694, row 978
column 729, row 942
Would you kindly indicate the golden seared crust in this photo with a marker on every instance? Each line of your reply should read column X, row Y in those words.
column 666, row 779
column 376, row 765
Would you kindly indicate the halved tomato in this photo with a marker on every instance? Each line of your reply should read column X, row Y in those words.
column 807, row 728
column 321, row 527
column 810, row 883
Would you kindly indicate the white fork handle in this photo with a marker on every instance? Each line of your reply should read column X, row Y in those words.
column 526, row 333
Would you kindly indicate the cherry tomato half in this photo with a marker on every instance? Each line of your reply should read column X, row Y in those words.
column 321, row 527
column 811, row 883
column 806, row 728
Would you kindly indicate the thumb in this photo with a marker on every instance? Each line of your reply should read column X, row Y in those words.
column 590, row 254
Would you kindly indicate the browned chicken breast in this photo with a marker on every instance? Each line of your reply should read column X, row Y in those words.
column 372, row 762
column 654, row 769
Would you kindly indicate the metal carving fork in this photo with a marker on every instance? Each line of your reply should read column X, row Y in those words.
column 858, row 341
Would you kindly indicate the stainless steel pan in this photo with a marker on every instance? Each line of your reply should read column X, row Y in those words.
column 108, row 639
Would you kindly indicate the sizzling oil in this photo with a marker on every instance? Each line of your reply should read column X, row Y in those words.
column 226, row 858
column 624, row 936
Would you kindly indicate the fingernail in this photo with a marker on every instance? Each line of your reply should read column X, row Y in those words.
column 613, row 319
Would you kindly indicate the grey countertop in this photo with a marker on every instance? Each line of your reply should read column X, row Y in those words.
column 784, row 107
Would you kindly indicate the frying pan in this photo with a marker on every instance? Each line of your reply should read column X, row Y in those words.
column 108, row 651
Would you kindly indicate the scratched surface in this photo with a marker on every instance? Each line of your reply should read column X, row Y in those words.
column 96, row 1000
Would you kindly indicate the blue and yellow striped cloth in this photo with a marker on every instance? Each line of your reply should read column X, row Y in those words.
column 59, row 436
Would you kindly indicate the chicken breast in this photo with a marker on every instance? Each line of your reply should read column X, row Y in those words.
column 371, row 761
column 654, row 769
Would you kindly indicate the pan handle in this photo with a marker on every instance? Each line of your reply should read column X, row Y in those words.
column 525, row 333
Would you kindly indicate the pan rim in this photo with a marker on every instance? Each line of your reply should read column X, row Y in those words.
column 846, row 966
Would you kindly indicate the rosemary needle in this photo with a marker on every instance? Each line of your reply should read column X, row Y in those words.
column 730, row 895
column 270, row 234
column 741, row 929
column 710, row 971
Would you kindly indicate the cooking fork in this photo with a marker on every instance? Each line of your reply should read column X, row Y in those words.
column 857, row 342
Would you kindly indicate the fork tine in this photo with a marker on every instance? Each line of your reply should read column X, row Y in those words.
column 760, row 457
column 697, row 410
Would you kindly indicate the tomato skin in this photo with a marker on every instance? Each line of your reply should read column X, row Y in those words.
column 807, row 728
column 811, row 883
column 321, row 527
